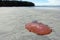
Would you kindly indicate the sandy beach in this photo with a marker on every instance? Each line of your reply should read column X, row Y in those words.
column 13, row 20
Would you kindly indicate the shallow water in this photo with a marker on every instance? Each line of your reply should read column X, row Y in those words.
column 13, row 20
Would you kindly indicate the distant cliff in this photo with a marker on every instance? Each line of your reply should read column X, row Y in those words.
column 16, row 3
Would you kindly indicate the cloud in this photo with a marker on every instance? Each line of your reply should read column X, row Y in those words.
column 50, row 2
column 54, row 2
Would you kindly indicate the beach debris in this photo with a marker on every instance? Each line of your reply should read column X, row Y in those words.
column 38, row 28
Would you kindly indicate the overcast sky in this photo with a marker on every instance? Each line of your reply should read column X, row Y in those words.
column 45, row 2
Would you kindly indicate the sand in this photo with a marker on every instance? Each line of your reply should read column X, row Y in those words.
column 13, row 20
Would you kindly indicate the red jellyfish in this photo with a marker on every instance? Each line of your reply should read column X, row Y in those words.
column 38, row 28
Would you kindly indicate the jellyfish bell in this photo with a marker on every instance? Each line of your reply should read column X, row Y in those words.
column 38, row 28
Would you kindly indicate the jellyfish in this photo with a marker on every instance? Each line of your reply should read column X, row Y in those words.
column 38, row 28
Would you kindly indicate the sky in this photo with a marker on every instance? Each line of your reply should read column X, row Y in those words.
column 45, row 2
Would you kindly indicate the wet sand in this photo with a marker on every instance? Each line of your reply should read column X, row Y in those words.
column 13, row 20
